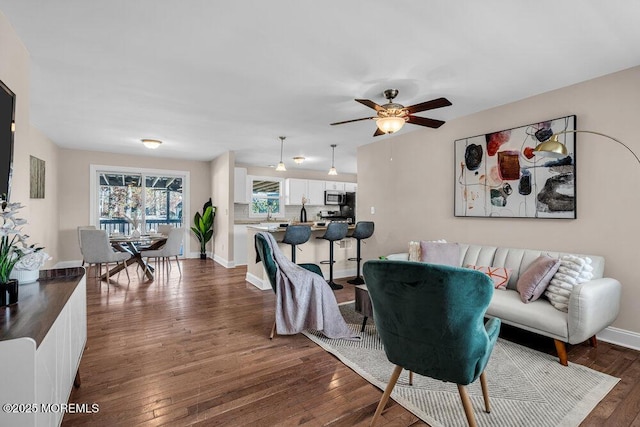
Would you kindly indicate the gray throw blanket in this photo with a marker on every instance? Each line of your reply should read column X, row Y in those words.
column 304, row 300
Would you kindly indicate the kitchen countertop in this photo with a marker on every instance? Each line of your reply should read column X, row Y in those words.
column 275, row 228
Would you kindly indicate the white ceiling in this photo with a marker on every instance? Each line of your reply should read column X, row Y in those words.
column 210, row 76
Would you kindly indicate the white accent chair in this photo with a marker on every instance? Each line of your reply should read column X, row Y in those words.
column 164, row 229
column 96, row 249
column 170, row 249
column 84, row 227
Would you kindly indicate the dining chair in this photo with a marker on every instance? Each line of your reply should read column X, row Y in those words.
column 164, row 229
column 83, row 227
column 97, row 250
column 170, row 249
column 430, row 319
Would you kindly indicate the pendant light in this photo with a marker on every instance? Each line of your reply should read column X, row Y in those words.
column 280, row 167
column 333, row 170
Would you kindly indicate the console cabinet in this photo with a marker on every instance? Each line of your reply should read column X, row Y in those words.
column 41, row 343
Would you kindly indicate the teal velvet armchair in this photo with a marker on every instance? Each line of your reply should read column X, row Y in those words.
column 430, row 319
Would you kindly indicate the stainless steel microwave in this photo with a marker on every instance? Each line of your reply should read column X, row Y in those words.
column 333, row 197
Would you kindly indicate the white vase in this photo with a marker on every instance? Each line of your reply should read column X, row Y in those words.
column 135, row 233
column 24, row 276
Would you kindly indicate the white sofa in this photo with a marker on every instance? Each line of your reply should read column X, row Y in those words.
column 593, row 305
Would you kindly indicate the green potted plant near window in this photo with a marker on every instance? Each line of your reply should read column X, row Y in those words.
column 203, row 226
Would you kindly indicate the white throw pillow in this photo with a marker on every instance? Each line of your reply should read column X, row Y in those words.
column 573, row 270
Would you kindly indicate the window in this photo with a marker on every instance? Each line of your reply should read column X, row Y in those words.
column 128, row 201
column 267, row 197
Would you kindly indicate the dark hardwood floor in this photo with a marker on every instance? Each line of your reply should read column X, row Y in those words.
column 194, row 350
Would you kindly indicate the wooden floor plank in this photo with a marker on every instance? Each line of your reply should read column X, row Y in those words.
column 194, row 350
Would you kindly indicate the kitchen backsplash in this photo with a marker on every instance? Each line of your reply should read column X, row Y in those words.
column 291, row 212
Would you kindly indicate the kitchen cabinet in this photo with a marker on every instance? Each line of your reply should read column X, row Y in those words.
column 334, row 185
column 296, row 189
column 350, row 187
column 316, row 193
column 240, row 191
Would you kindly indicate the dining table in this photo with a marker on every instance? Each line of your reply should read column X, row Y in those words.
column 134, row 245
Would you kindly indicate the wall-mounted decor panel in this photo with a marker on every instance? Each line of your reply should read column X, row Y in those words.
column 36, row 187
column 498, row 175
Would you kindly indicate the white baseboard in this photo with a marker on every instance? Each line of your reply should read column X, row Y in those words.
column 258, row 282
column 620, row 337
column 223, row 262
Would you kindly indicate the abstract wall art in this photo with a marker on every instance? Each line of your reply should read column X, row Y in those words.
column 498, row 175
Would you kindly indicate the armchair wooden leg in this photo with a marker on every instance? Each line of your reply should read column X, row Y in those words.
column 466, row 404
column 410, row 377
column 562, row 352
column 273, row 330
column 178, row 262
column 593, row 341
column 387, row 392
column 485, row 393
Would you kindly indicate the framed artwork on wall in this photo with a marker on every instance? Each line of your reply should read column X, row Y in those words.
column 498, row 175
column 36, row 187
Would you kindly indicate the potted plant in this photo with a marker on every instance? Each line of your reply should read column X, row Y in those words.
column 203, row 226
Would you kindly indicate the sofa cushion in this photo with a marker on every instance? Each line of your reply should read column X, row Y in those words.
column 440, row 253
column 499, row 275
column 533, row 282
column 536, row 316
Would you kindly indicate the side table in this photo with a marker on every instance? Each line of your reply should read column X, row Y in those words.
column 363, row 304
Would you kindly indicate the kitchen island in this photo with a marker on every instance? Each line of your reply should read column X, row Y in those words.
column 314, row 251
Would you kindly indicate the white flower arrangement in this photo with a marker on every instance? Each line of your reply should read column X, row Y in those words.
column 32, row 261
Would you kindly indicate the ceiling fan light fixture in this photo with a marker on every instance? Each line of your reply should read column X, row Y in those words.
column 299, row 159
column 151, row 144
column 390, row 124
column 333, row 170
column 281, row 167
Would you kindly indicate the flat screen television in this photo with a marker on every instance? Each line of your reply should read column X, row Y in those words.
column 7, row 120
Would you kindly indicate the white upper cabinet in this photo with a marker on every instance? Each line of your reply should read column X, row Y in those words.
column 296, row 189
column 350, row 187
column 316, row 193
column 334, row 185
column 240, row 190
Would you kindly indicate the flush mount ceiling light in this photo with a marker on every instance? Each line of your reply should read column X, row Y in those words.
column 299, row 159
column 151, row 143
column 333, row 170
column 281, row 167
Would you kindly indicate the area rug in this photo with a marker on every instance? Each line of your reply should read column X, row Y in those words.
column 526, row 387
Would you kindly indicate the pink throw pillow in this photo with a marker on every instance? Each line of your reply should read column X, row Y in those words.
column 499, row 275
column 533, row 282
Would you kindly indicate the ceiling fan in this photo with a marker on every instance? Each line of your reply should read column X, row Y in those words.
column 391, row 116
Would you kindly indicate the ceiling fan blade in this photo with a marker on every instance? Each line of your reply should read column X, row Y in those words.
column 370, row 104
column 349, row 121
column 428, row 105
column 423, row 121
column 378, row 132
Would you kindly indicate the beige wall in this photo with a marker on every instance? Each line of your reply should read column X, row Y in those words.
column 74, row 194
column 41, row 214
column 222, row 178
column 413, row 193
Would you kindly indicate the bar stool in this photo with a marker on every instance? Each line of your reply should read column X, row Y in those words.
column 296, row 235
column 335, row 231
column 363, row 230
